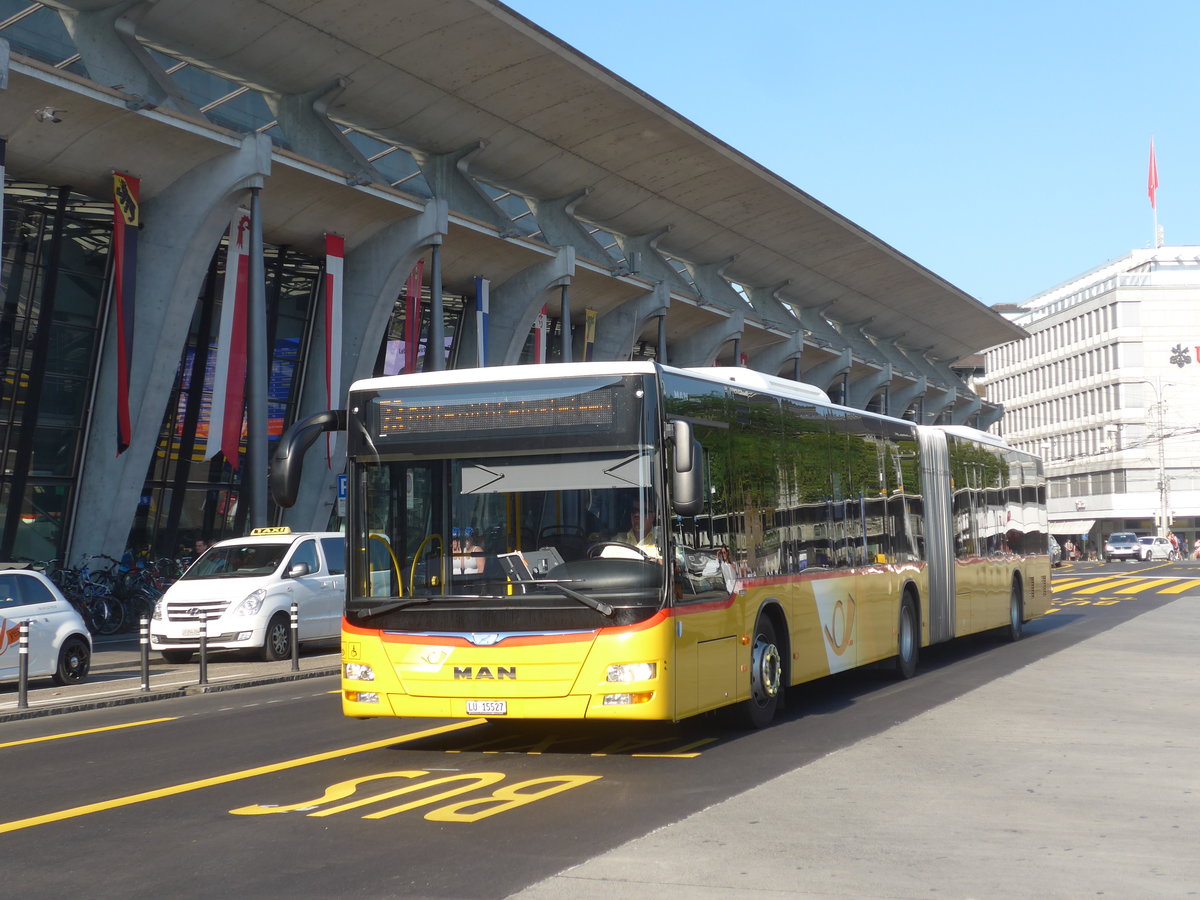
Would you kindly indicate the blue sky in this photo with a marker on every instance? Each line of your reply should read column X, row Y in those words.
column 1004, row 146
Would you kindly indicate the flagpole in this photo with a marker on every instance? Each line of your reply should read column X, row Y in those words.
column 1151, row 189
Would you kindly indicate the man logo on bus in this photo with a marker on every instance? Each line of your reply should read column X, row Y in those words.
column 484, row 673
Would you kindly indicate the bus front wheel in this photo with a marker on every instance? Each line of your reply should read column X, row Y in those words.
column 766, row 676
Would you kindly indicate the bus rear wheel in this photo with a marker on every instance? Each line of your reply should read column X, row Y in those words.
column 1016, row 613
column 908, row 640
column 766, row 677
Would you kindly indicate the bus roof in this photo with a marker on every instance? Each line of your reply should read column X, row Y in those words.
column 748, row 378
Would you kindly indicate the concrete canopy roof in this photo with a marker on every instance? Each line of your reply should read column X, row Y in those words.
column 439, row 75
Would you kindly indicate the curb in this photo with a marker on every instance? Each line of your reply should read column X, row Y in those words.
column 186, row 691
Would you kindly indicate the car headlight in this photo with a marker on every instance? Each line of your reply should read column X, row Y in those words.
column 252, row 604
column 158, row 611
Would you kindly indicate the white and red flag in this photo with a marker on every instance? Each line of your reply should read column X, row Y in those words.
column 541, row 333
column 229, row 377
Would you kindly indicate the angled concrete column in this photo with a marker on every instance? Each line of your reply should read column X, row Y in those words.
column 5, row 59
column 862, row 390
column 448, row 175
column 304, row 120
column 822, row 374
column 618, row 329
column 107, row 40
column 715, row 289
column 989, row 415
column 556, row 219
column 770, row 360
column 182, row 227
column 770, row 308
column 642, row 257
column 937, row 399
column 965, row 406
column 901, row 398
column 516, row 303
column 375, row 272
column 702, row 346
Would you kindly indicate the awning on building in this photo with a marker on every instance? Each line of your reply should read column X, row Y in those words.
column 1072, row 526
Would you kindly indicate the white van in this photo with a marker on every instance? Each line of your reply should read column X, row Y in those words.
column 59, row 643
column 245, row 587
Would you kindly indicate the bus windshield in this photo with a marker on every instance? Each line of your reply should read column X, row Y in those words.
column 513, row 528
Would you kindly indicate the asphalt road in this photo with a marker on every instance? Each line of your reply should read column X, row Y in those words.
column 270, row 792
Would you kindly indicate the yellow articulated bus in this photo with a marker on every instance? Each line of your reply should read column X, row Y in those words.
column 634, row 541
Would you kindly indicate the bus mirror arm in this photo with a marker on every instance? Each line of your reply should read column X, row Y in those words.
column 288, row 462
column 687, row 483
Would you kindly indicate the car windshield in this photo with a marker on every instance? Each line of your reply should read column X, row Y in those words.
column 237, row 561
column 1147, row 540
column 1122, row 537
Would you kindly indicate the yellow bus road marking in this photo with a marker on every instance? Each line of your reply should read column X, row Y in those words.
column 118, row 802
column 1067, row 584
column 1145, row 586
column 69, row 734
column 1180, row 588
column 1108, row 585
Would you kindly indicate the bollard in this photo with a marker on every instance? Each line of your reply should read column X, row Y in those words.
column 204, row 648
column 295, row 637
column 23, row 668
column 144, row 640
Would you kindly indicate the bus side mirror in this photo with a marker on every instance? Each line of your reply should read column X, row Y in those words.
column 288, row 462
column 687, row 474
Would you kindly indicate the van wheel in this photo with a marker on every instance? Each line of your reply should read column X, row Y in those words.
column 74, row 660
column 176, row 657
column 766, row 677
column 908, row 639
column 277, row 644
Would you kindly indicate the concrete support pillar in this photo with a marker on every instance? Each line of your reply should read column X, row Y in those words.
column 618, row 329
column 107, row 40
column 862, row 390
column 989, row 415
column 822, row 375
column 517, row 302
column 304, row 120
column 770, row 360
column 556, row 218
column 965, row 406
column 448, row 175
column 769, row 307
column 901, row 398
column 375, row 272
column 937, row 399
column 183, row 224
column 701, row 347
column 643, row 258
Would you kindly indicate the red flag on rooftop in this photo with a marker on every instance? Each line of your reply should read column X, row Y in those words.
column 1152, row 178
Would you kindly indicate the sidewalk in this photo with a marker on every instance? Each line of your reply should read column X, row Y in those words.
column 116, row 677
column 1076, row 776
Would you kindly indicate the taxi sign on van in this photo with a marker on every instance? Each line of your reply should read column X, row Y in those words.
column 278, row 529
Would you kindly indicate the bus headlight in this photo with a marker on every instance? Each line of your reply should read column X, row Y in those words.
column 359, row 672
column 632, row 672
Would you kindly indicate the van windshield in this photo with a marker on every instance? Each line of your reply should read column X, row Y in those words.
column 237, row 561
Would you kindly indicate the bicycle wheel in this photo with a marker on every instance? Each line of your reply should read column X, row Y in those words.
column 107, row 614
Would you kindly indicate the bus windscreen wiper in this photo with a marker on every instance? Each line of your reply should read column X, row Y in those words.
column 599, row 605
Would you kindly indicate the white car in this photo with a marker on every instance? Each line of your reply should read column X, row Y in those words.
column 59, row 643
column 244, row 589
column 1156, row 548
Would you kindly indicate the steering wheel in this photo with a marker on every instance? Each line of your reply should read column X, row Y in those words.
column 596, row 549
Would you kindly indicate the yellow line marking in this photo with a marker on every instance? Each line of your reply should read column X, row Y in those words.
column 1145, row 586
column 1180, row 588
column 1067, row 584
column 118, row 802
column 1108, row 585
column 70, row 734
